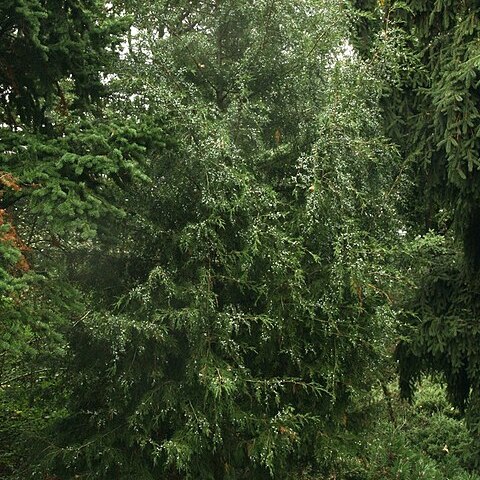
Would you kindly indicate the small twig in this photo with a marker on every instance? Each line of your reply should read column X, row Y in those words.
column 83, row 317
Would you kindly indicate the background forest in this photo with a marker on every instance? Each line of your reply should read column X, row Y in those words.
column 239, row 239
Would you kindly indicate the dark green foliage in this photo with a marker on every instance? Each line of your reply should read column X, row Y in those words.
column 366, row 22
column 426, row 439
column 439, row 430
column 62, row 162
column 202, row 263
column 431, row 111
column 60, row 167
column 42, row 46
column 250, row 280
column 68, row 182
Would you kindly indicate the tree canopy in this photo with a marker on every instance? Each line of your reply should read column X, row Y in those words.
column 218, row 222
column 431, row 112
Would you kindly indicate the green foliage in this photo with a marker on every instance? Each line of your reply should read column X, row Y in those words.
column 62, row 163
column 25, row 417
column 426, row 439
column 431, row 110
column 69, row 181
column 43, row 45
column 244, row 300
column 439, row 430
column 202, row 263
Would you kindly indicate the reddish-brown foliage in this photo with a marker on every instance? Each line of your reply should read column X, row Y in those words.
column 10, row 235
column 9, row 181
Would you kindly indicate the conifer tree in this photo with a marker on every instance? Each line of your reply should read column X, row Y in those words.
column 433, row 114
column 60, row 155
column 243, row 295
column 61, row 160
column 42, row 46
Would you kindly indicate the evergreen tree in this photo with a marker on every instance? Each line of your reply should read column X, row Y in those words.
column 433, row 115
column 48, row 50
column 61, row 160
column 244, row 298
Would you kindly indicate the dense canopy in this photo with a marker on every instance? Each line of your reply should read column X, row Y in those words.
column 228, row 229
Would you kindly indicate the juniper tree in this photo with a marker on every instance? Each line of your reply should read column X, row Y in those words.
column 249, row 284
